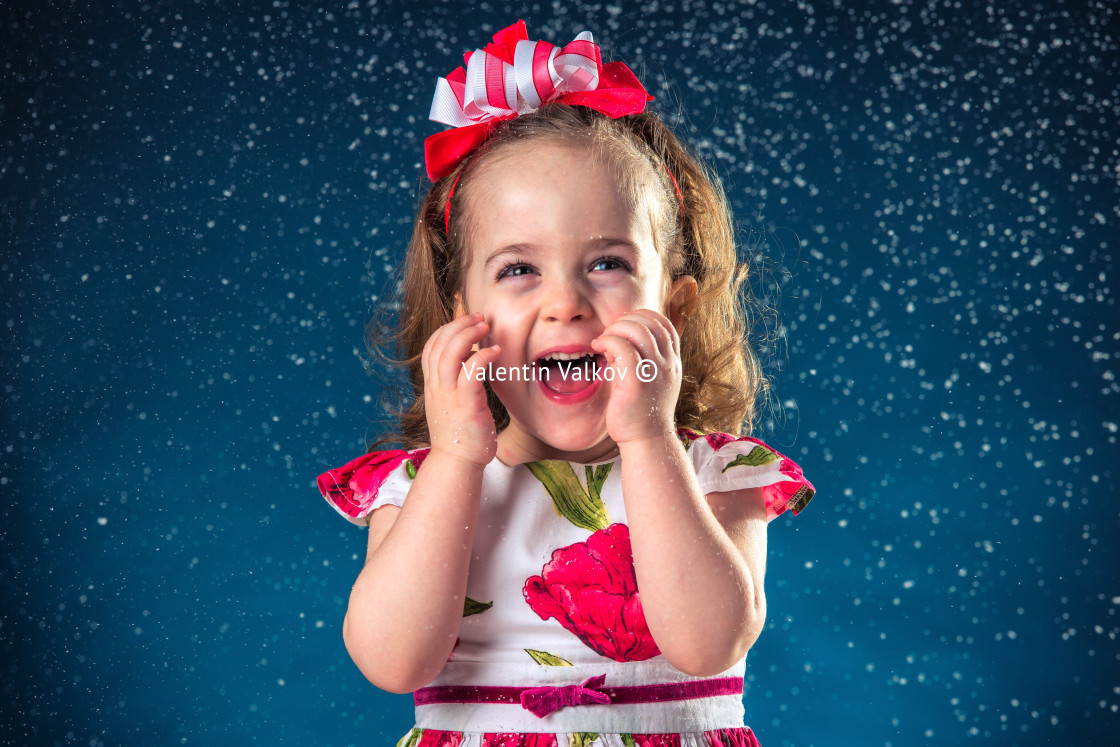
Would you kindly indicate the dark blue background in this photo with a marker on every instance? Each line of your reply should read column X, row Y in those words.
column 200, row 203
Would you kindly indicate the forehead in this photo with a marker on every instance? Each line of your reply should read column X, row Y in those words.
column 549, row 190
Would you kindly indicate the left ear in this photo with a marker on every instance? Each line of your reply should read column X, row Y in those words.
column 682, row 301
column 460, row 308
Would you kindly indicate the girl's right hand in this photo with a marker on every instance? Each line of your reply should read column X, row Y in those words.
column 459, row 421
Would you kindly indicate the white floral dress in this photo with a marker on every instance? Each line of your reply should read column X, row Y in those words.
column 554, row 650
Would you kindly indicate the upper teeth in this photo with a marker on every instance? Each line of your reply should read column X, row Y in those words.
column 564, row 356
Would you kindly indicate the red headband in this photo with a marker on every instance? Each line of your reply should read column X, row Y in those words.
column 514, row 76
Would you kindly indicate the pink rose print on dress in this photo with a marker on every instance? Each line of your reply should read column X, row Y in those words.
column 435, row 738
column 794, row 493
column 590, row 589
column 739, row 737
column 519, row 740
column 715, row 440
column 656, row 740
column 353, row 486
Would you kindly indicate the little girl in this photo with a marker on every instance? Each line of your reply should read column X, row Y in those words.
column 571, row 550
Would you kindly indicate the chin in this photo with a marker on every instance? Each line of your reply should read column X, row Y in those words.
column 573, row 444
column 571, row 435
column 574, row 440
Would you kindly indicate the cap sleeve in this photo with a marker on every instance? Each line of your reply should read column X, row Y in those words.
column 724, row 463
column 380, row 478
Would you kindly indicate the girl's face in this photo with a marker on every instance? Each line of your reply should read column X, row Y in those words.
column 555, row 255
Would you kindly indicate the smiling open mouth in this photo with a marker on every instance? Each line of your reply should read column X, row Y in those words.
column 569, row 373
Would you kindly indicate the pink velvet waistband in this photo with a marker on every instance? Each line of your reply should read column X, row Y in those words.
column 541, row 701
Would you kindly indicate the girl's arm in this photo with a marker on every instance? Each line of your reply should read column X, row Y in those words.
column 406, row 606
column 407, row 603
column 700, row 561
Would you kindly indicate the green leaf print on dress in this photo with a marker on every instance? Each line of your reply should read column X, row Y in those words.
column 580, row 505
column 595, row 478
column 582, row 739
column 547, row 659
column 410, row 739
column 757, row 457
column 473, row 607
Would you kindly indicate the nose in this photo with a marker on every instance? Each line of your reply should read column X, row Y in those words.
column 564, row 300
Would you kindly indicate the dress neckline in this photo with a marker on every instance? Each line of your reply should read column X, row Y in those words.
column 510, row 467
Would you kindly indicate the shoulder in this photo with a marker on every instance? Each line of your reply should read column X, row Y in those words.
column 727, row 463
column 372, row 480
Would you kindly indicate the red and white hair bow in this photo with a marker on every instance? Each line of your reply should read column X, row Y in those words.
column 515, row 76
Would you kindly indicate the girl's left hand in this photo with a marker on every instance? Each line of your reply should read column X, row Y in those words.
column 644, row 350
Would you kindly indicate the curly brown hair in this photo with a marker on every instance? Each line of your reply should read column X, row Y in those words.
column 722, row 377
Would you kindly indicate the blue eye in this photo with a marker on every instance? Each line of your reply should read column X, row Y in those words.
column 514, row 269
column 609, row 263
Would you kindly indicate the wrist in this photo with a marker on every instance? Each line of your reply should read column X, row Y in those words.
column 454, row 459
column 655, row 440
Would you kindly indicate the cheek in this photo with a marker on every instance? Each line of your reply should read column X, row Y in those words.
column 507, row 326
column 650, row 293
column 657, row 291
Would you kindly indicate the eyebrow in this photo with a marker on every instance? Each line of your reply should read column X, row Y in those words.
column 520, row 249
column 515, row 249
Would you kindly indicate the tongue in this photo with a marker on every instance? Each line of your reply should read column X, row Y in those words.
column 569, row 377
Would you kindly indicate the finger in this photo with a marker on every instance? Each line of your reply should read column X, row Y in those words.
column 668, row 341
column 619, row 352
column 475, row 370
column 433, row 349
column 637, row 331
column 457, row 350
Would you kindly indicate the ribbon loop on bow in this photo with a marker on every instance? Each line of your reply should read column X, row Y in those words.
column 514, row 76
column 541, row 701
